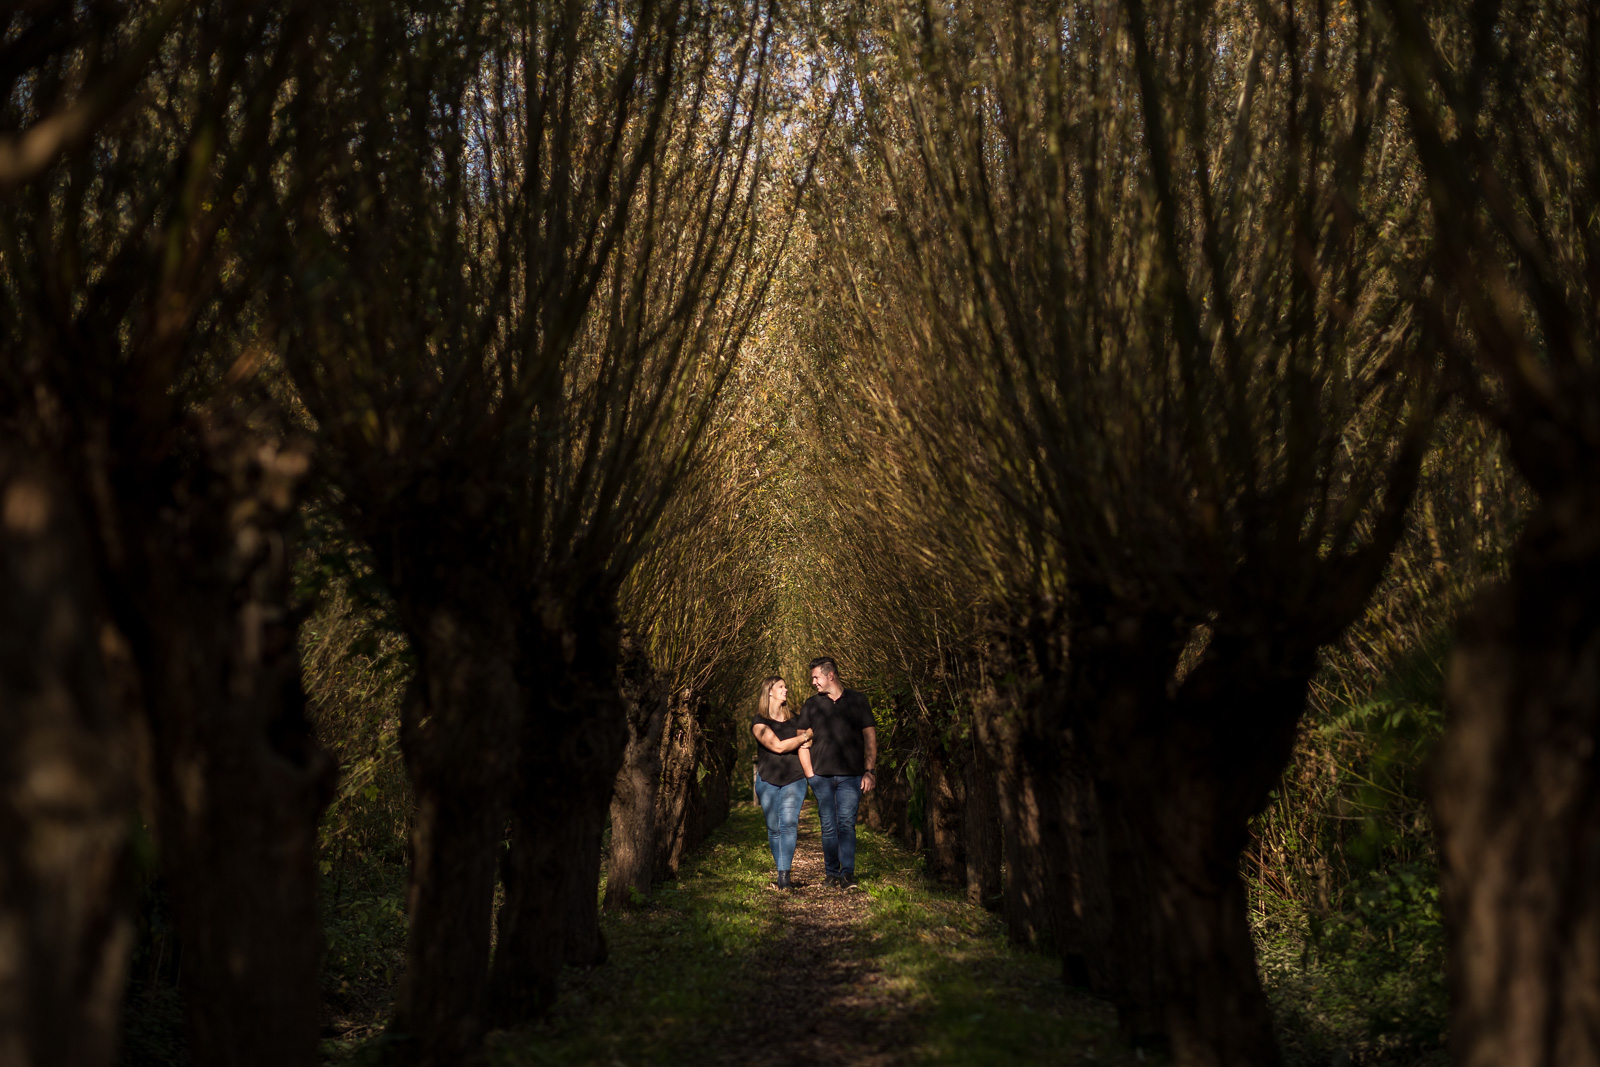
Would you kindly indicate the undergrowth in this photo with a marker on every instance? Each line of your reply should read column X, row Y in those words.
column 1344, row 888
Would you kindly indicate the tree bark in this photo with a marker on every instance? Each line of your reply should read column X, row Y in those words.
column 721, row 753
column 1185, row 960
column 631, row 860
column 459, row 737
column 981, row 826
column 575, row 736
column 1025, row 905
column 1079, row 896
column 943, row 803
column 240, row 782
column 678, row 797
column 1516, row 800
column 887, row 806
column 66, row 785
column 1188, row 966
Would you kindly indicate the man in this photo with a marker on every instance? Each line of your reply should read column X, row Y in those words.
column 844, row 755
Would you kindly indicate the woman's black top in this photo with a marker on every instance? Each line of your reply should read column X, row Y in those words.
column 777, row 768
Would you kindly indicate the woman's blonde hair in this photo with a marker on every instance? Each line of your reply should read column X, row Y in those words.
column 764, row 706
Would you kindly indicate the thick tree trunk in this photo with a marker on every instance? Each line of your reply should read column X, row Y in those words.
column 240, row 782
column 459, row 736
column 678, row 797
column 1188, row 961
column 981, row 826
column 575, row 736
column 552, row 872
column 1180, row 779
column 1516, row 798
column 66, row 786
column 631, row 860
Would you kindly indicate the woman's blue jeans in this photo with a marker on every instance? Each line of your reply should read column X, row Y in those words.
column 781, row 805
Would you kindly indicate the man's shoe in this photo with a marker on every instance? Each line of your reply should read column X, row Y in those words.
column 848, row 879
column 833, row 882
column 782, row 881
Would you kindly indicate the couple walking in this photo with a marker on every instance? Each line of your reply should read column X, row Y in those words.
column 832, row 746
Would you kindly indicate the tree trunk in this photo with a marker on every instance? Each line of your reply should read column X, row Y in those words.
column 942, row 809
column 459, row 736
column 887, row 807
column 552, row 872
column 1025, row 906
column 1180, row 778
column 721, row 753
column 574, row 740
column 1188, row 965
column 240, row 783
column 631, row 860
column 981, row 825
column 1516, row 799
column 1078, row 894
column 680, row 751
column 66, row 786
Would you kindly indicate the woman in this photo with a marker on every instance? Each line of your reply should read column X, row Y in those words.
column 783, row 763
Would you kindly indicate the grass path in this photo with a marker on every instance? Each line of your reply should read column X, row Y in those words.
column 718, row 969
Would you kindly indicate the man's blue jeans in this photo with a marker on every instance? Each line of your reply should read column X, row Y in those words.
column 838, row 797
column 781, row 805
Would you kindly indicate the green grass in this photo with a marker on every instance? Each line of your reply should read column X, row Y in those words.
column 975, row 999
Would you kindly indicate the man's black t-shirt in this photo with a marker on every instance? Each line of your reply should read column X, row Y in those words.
column 838, row 748
column 777, row 768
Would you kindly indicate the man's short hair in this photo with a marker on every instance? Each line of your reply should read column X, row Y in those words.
column 826, row 663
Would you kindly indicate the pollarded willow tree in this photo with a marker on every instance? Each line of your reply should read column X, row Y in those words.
column 1162, row 254
column 525, row 276
column 1502, row 100
column 150, row 492
column 700, row 606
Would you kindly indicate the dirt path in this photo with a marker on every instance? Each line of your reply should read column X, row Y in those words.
column 839, row 1008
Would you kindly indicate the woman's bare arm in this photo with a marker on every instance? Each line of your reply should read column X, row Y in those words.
column 769, row 740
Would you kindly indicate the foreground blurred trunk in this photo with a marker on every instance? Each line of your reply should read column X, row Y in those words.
column 631, row 859
column 574, row 738
column 240, row 782
column 65, row 785
column 1177, row 792
column 1517, row 804
column 459, row 737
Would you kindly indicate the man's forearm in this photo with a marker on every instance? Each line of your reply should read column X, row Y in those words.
column 871, row 737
